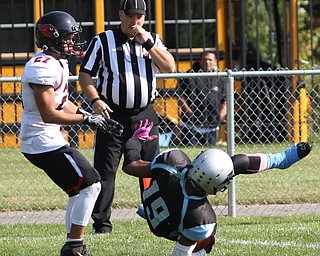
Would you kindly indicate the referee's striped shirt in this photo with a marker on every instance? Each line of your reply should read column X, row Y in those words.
column 125, row 70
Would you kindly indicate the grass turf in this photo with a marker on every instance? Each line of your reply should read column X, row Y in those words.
column 27, row 188
column 276, row 236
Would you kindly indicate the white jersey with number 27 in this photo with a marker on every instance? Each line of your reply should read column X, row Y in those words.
column 42, row 70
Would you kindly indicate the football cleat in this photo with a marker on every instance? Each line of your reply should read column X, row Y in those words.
column 303, row 149
column 288, row 157
column 100, row 231
column 74, row 249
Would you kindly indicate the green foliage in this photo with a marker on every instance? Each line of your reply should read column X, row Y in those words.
column 261, row 29
column 258, row 27
column 308, row 40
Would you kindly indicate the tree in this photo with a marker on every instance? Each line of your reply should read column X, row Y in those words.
column 309, row 31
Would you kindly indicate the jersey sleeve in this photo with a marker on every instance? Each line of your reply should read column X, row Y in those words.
column 40, row 72
column 160, row 44
column 199, row 220
column 199, row 232
column 93, row 57
column 132, row 151
column 173, row 157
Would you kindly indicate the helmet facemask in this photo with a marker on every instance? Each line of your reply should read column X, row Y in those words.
column 79, row 46
column 224, row 185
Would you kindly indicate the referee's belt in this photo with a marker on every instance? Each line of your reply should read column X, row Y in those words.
column 131, row 111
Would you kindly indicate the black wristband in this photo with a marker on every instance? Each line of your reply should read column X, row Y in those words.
column 148, row 44
column 94, row 101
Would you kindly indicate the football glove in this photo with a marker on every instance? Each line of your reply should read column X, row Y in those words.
column 83, row 112
column 113, row 127
column 142, row 131
column 95, row 121
column 98, row 121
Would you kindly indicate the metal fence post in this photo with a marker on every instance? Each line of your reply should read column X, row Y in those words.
column 231, row 141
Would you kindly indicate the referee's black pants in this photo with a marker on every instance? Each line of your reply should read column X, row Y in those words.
column 107, row 155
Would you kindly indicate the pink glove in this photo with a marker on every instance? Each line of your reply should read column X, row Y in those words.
column 142, row 131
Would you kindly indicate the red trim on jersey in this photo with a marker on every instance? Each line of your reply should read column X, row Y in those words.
column 76, row 187
column 61, row 82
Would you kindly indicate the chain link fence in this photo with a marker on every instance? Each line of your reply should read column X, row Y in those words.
column 268, row 111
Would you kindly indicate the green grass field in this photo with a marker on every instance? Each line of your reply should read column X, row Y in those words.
column 254, row 236
column 24, row 187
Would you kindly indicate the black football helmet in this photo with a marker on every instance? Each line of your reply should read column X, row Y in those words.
column 54, row 29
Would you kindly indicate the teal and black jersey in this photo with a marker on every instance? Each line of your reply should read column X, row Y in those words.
column 169, row 209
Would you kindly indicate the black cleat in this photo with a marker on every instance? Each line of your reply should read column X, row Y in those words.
column 74, row 249
column 303, row 149
column 103, row 230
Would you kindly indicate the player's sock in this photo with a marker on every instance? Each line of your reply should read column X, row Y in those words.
column 74, row 240
column 288, row 157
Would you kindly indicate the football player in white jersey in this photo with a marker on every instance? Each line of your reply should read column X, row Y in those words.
column 176, row 205
column 45, row 108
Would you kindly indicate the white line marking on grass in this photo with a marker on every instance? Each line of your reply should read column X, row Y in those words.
column 269, row 243
column 264, row 229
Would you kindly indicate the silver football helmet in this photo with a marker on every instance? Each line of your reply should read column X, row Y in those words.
column 212, row 170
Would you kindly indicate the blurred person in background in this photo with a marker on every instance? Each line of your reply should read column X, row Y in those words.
column 202, row 102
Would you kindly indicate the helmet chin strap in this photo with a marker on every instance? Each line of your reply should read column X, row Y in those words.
column 63, row 54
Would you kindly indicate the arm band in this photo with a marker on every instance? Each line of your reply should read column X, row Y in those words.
column 94, row 101
column 148, row 44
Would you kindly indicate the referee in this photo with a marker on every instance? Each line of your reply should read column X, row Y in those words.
column 125, row 60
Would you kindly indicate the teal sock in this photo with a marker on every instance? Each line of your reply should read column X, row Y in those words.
column 284, row 159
